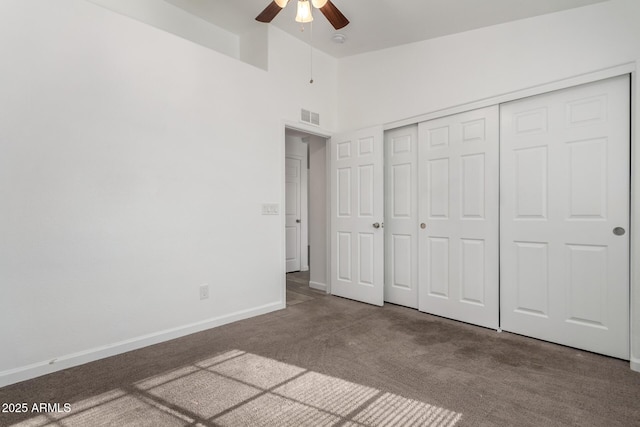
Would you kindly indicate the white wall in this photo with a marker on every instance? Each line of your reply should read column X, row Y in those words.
column 413, row 80
column 133, row 166
column 289, row 70
column 171, row 18
column 254, row 47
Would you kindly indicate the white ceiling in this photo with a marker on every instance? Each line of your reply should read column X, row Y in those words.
column 378, row 24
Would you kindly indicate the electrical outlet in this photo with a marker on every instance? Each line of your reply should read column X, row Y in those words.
column 204, row 291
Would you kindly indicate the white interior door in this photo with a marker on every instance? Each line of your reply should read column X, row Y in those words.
column 565, row 190
column 401, row 216
column 293, row 168
column 458, row 212
column 357, row 209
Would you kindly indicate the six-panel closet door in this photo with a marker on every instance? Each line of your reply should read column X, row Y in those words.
column 458, row 193
column 565, row 217
column 401, row 216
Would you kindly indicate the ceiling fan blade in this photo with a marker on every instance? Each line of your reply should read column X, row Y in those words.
column 269, row 12
column 333, row 14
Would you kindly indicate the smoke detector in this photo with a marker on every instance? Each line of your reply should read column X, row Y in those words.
column 339, row 38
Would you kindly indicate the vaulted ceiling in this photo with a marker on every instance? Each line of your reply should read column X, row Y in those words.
column 377, row 24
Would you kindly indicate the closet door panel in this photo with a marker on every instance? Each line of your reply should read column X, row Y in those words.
column 565, row 217
column 458, row 190
column 401, row 216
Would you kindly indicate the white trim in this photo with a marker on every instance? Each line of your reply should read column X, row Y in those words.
column 319, row 286
column 327, row 211
column 304, row 210
column 34, row 370
column 313, row 130
column 634, row 236
column 283, row 223
column 606, row 73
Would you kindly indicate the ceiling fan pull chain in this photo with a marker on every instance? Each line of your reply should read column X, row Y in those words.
column 311, row 53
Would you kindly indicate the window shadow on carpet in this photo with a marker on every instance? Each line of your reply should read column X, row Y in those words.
column 237, row 388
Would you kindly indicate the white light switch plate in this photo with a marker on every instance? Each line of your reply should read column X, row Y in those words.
column 270, row 209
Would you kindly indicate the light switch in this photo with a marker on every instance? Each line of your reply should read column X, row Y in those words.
column 270, row 209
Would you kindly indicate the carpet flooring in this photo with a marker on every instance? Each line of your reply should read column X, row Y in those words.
column 325, row 360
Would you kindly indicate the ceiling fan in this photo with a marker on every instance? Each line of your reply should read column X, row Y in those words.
column 328, row 9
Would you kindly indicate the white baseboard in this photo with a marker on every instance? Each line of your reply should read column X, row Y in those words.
column 318, row 286
column 635, row 364
column 34, row 370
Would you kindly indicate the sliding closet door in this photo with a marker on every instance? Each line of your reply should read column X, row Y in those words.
column 458, row 214
column 565, row 217
column 401, row 216
column 357, row 214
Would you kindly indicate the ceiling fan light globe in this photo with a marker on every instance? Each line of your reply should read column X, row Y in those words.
column 319, row 3
column 304, row 12
column 281, row 3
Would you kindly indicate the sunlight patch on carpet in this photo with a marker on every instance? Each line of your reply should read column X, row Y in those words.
column 237, row 388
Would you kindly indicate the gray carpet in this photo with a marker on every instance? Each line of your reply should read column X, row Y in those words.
column 330, row 361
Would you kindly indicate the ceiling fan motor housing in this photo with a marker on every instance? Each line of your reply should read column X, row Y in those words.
column 328, row 9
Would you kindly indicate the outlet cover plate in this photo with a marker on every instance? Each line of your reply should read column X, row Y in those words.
column 204, row 291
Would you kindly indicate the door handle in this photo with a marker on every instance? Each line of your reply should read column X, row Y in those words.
column 376, row 225
column 423, row 225
column 298, row 221
column 618, row 231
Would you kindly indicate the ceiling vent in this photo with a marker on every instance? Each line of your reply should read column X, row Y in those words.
column 310, row 117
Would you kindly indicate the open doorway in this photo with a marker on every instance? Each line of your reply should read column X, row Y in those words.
column 306, row 231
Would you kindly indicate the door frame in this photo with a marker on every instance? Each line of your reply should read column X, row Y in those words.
column 326, row 135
